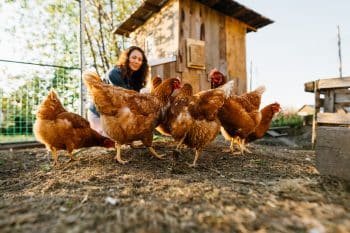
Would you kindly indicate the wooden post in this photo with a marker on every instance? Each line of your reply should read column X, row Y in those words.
column 329, row 101
column 317, row 109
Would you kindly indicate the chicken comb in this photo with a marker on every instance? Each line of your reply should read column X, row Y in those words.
column 214, row 71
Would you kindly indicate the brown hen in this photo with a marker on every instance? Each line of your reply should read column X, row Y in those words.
column 267, row 113
column 239, row 115
column 127, row 115
column 62, row 130
column 192, row 119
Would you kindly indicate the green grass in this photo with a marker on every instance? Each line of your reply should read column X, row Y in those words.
column 16, row 138
column 287, row 119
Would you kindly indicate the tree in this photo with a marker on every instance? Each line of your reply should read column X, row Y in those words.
column 102, row 17
column 49, row 34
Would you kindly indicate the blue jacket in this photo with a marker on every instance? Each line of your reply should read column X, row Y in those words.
column 114, row 77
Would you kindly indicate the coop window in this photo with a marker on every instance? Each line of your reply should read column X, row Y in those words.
column 195, row 54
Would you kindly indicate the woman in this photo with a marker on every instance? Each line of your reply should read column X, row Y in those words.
column 130, row 72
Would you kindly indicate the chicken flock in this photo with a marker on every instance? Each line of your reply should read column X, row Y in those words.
column 168, row 106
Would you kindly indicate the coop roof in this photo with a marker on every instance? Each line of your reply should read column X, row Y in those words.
column 306, row 110
column 228, row 7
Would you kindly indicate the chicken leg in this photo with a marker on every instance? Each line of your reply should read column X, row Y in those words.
column 233, row 141
column 196, row 157
column 153, row 152
column 118, row 155
column 70, row 148
column 72, row 158
column 180, row 142
column 242, row 147
column 177, row 149
column 55, row 157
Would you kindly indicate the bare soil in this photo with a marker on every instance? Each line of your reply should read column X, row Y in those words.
column 274, row 189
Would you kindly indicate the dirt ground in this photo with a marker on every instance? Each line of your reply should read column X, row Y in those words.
column 274, row 189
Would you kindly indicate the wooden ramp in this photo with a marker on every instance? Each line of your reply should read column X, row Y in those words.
column 281, row 136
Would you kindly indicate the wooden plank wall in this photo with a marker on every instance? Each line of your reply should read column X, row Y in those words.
column 189, row 27
column 332, row 102
column 163, row 26
column 236, row 53
column 334, row 105
column 333, row 151
column 333, row 83
column 167, row 70
column 224, row 44
column 224, row 39
column 331, row 130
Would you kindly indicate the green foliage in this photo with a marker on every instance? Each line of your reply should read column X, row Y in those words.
column 19, row 106
column 290, row 119
column 47, row 32
column 101, row 18
column 50, row 33
column 43, row 31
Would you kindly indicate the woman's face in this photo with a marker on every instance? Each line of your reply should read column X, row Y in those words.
column 135, row 60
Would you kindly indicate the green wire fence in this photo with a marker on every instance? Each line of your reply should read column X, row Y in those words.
column 19, row 102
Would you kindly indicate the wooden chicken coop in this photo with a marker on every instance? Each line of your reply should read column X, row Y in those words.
column 188, row 38
column 331, row 125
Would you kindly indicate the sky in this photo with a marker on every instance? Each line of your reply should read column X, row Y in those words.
column 300, row 46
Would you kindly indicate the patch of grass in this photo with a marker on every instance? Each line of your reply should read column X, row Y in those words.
column 160, row 138
column 288, row 119
column 45, row 167
column 16, row 138
column 258, row 161
column 70, row 204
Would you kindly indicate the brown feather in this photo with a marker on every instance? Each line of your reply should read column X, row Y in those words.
column 127, row 115
column 62, row 130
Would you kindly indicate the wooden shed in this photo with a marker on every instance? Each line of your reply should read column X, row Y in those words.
column 187, row 38
column 307, row 113
column 331, row 125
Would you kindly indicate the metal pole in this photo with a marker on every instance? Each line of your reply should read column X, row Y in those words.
column 251, row 76
column 82, row 59
column 339, row 53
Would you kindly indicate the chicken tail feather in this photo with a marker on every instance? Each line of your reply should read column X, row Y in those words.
column 260, row 90
column 90, row 78
column 228, row 88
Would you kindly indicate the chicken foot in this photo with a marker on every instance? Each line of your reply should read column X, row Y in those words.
column 180, row 142
column 177, row 149
column 196, row 157
column 118, row 156
column 55, row 157
column 233, row 141
column 242, row 147
column 79, row 151
column 72, row 158
column 153, row 152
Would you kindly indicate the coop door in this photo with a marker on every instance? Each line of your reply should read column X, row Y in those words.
column 195, row 53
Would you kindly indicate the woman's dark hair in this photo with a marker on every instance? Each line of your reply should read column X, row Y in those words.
column 136, row 79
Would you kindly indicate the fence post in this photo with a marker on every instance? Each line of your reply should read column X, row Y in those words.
column 82, row 58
